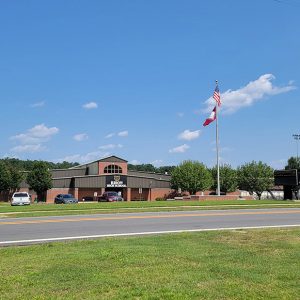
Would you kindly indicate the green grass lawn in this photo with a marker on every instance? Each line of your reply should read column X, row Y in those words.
column 242, row 264
column 93, row 208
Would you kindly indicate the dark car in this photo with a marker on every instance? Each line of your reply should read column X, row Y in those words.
column 87, row 198
column 65, row 199
column 110, row 197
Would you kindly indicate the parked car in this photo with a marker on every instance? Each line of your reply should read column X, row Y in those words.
column 87, row 198
column 110, row 197
column 65, row 199
column 20, row 198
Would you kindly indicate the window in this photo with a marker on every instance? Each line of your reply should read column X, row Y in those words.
column 112, row 169
column 20, row 195
column 67, row 196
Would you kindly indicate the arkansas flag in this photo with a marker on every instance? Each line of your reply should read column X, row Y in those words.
column 211, row 118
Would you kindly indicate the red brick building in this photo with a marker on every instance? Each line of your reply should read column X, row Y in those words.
column 108, row 174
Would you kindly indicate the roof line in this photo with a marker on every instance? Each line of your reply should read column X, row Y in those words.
column 102, row 175
column 87, row 163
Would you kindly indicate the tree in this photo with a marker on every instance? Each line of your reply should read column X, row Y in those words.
column 191, row 176
column 228, row 178
column 10, row 178
column 64, row 165
column 5, row 177
column 165, row 169
column 28, row 164
column 16, row 177
column 142, row 167
column 150, row 168
column 293, row 163
column 39, row 179
column 255, row 177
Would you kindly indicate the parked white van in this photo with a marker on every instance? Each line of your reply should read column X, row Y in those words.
column 20, row 198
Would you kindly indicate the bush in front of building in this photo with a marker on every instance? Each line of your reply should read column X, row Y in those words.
column 174, row 194
column 160, row 199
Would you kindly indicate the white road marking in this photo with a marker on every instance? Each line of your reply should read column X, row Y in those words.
column 139, row 234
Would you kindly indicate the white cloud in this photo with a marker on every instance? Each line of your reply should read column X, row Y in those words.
column 157, row 162
column 189, row 135
column 10, row 155
column 38, row 104
column 35, row 135
column 42, row 131
column 80, row 137
column 254, row 91
column 109, row 135
column 278, row 164
column 135, row 162
column 32, row 139
column 28, row 148
column 90, row 105
column 24, row 138
column 110, row 146
column 84, row 158
column 180, row 149
column 123, row 133
column 180, row 114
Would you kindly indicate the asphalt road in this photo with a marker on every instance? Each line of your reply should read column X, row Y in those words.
column 20, row 231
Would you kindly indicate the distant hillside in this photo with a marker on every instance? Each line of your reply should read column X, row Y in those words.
column 26, row 165
column 151, row 168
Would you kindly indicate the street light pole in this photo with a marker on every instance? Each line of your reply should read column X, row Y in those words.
column 217, row 148
column 296, row 191
column 297, row 138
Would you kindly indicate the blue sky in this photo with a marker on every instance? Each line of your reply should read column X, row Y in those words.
column 81, row 80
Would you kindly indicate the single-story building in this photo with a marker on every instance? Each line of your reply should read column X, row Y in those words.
column 107, row 174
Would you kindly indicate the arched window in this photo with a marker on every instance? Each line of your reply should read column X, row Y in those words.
column 113, row 169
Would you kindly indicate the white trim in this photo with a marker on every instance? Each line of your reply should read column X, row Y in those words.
column 141, row 233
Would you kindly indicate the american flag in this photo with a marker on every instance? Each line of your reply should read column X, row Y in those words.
column 217, row 96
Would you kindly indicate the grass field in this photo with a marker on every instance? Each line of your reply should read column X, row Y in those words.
column 35, row 210
column 254, row 264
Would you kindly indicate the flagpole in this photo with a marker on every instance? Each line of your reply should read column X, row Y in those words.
column 217, row 147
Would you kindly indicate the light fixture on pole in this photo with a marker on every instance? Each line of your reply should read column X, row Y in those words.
column 297, row 138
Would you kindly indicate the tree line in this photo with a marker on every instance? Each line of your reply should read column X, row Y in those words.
column 28, row 165
column 38, row 178
column 254, row 177
column 151, row 168
column 193, row 176
column 190, row 176
column 36, row 173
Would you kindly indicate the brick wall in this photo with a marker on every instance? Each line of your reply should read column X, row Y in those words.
column 83, row 192
column 159, row 193
column 51, row 194
column 102, row 165
column 135, row 195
